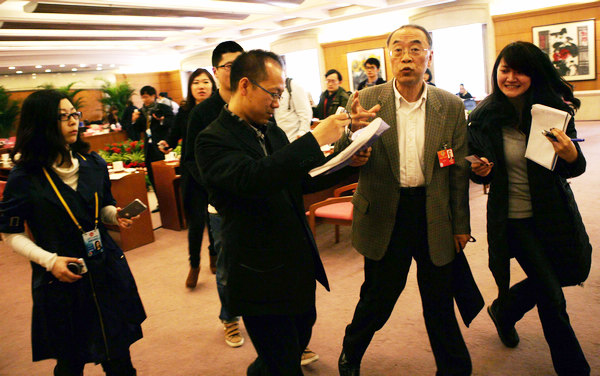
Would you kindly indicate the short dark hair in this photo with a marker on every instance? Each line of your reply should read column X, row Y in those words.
column 39, row 136
column 412, row 26
column 547, row 86
column 251, row 65
column 148, row 90
column 223, row 48
column 372, row 61
column 190, row 101
column 332, row 71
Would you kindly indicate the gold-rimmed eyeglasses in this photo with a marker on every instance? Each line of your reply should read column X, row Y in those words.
column 65, row 117
column 414, row 51
column 274, row 96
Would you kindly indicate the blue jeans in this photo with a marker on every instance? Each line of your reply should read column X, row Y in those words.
column 215, row 229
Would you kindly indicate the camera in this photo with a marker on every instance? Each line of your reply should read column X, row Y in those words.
column 77, row 267
column 158, row 113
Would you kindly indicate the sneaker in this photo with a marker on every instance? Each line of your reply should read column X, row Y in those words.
column 233, row 336
column 508, row 335
column 308, row 357
column 192, row 278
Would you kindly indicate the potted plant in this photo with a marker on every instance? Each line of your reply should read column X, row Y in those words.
column 9, row 110
column 70, row 93
column 116, row 95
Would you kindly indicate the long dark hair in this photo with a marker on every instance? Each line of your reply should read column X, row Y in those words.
column 190, row 101
column 547, row 87
column 39, row 136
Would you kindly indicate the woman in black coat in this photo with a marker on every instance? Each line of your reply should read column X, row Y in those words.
column 531, row 211
column 201, row 85
column 63, row 194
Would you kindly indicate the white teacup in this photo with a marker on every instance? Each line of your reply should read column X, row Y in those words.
column 117, row 165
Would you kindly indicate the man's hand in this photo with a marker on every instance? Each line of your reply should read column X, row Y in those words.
column 331, row 129
column 61, row 272
column 482, row 169
column 361, row 117
column 164, row 147
column 460, row 241
column 361, row 157
column 135, row 115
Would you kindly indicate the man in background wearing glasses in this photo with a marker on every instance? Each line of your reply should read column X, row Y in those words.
column 332, row 98
column 255, row 179
column 411, row 202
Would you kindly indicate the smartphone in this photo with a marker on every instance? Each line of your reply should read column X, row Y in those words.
column 132, row 209
column 475, row 159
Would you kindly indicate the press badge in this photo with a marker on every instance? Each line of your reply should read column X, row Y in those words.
column 446, row 157
column 93, row 243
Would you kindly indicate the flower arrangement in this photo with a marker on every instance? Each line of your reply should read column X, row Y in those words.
column 130, row 152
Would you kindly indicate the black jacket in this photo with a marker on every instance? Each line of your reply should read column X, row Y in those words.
column 363, row 84
column 268, row 251
column 66, row 319
column 338, row 99
column 555, row 212
column 159, row 131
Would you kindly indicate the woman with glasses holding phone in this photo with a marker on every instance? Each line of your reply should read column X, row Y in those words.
column 531, row 211
column 86, row 307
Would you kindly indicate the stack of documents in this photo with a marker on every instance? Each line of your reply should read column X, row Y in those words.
column 539, row 148
column 361, row 139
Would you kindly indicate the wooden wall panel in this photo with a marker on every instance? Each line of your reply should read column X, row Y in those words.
column 161, row 81
column 334, row 55
column 518, row 26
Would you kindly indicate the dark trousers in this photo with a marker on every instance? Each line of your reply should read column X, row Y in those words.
column 279, row 341
column 114, row 367
column 541, row 287
column 195, row 203
column 151, row 154
column 384, row 281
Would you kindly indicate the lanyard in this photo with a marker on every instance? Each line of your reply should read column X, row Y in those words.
column 67, row 207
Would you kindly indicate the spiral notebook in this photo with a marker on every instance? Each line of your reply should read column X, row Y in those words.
column 539, row 149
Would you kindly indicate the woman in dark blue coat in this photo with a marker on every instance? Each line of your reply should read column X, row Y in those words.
column 63, row 195
column 531, row 210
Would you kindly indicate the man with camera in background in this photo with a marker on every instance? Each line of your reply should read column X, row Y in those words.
column 154, row 120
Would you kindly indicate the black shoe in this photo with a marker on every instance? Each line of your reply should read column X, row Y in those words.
column 156, row 210
column 346, row 367
column 508, row 336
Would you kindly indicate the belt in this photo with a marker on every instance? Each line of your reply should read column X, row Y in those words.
column 412, row 191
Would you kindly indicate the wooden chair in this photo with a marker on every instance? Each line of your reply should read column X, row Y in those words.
column 336, row 210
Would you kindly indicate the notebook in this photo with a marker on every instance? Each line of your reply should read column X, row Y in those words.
column 539, row 148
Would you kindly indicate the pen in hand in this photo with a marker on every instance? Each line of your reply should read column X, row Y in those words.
column 552, row 137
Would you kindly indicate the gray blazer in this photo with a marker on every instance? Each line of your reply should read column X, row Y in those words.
column 447, row 203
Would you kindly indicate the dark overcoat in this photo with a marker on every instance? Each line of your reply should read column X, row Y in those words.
column 555, row 213
column 99, row 316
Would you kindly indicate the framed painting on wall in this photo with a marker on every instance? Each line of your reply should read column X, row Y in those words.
column 356, row 70
column 570, row 47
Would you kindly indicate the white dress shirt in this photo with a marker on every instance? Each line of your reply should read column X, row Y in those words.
column 410, row 119
column 294, row 118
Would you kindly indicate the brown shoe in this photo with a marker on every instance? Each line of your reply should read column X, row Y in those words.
column 233, row 336
column 192, row 278
column 213, row 264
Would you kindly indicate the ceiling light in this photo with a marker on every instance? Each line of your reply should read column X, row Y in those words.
column 11, row 67
column 74, row 69
column 48, row 70
column 83, row 65
column 38, row 66
column 62, row 65
column 98, row 68
column 112, row 65
column 19, row 71
column 98, row 65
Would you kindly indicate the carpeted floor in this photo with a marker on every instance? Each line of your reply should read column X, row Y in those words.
column 183, row 337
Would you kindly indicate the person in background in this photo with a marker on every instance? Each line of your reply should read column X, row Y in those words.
column 126, row 122
column 62, row 193
column 372, row 66
column 294, row 113
column 113, row 118
column 335, row 96
column 428, row 77
column 201, row 85
column 255, row 179
column 164, row 98
column 155, row 119
column 410, row 204
column 463, row 93
column 531, row 211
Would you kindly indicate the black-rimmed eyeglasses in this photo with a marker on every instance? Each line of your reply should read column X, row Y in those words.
column 274, row 96
column 227, row 66
column 65, row 117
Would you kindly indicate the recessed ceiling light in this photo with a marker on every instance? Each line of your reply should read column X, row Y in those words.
column 38, row 66
column 62, row 65
column 112, row 65
column 74, row 69
column 98, row 68
column 19, row 71
column 83, row 65
column 48, row 70
column 11, row 67
column 98, row 65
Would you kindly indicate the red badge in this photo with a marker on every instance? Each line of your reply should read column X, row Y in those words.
column 446, row 157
